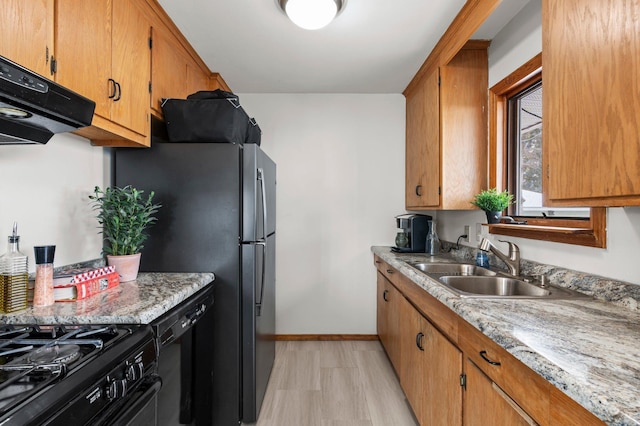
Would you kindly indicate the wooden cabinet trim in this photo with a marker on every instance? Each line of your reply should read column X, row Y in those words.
column 465, row 24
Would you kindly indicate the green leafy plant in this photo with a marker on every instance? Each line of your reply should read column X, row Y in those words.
column 124, row 214
column 493, row 201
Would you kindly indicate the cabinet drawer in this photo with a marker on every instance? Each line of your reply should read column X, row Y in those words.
column 528, row 389
column 385, row 269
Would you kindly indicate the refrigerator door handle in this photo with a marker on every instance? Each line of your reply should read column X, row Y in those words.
column 264, row 203
column 260, row 293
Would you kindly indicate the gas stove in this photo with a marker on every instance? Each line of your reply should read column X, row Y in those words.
column 72, row 375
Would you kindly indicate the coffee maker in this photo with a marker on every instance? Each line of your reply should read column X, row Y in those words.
column 412, row 233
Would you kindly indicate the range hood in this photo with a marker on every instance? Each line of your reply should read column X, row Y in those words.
column 33, row 108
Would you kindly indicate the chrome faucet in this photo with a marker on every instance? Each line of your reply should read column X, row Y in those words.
column 512, row 260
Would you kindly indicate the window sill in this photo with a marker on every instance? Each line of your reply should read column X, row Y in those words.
column 588, row 236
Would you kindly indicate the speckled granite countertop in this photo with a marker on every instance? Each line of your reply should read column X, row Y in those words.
column 589, row 349
column 134, row 302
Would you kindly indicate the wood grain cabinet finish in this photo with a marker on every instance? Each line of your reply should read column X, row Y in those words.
column 103, row 53
column 388, row 318
column 172, row 74
column 591, row 149
column 460, row 376
column 446, row 134
column 27, row 33
column 430, row 370
column 486, row 404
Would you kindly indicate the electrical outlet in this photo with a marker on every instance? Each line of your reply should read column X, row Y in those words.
column 466, row 232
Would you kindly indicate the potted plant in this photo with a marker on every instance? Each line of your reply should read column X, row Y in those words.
column 493, row 203
column 124, row 214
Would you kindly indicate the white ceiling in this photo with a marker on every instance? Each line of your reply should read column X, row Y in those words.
column 373, row 46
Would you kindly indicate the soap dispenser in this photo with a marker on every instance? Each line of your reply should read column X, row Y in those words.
column 432, row 244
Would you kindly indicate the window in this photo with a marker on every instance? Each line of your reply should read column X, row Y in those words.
column 516, row 164
column 524, row 151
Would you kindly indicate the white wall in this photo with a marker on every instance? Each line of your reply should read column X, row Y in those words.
column 340, row 183
column 518, row 42
column 45, row 189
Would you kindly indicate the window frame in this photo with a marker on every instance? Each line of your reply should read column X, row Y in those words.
column 585, row 232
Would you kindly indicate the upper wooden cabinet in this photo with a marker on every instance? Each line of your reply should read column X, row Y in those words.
column 103, row 53
column 446, row 146
column 31, row 24
column 591, row 132
column 175, row 74
column 176, row 69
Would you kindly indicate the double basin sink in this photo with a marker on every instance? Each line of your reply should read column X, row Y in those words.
column 466, row 280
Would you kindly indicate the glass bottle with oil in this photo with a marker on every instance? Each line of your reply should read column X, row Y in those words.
column 14, row 276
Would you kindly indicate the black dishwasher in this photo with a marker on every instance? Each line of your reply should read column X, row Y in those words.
column 187, row 377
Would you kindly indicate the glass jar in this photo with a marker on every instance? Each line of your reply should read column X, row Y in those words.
column 43, row 291
column 14, row 276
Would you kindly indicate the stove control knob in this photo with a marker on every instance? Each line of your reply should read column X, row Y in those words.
column 135, row 371
column 116, row 388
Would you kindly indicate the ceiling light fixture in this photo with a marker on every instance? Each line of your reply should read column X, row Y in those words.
column 311, row 14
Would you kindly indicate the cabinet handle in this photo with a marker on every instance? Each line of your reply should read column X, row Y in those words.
column 389, row 271
column 483, row 354
column 113, row 88
column 119, row 95
column 418, row 190
column 384, row 295
column 419, row 337
column 378, row 262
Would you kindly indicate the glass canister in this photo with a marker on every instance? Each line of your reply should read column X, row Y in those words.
column 432, row 243
column 43, row 291
column 14, row 276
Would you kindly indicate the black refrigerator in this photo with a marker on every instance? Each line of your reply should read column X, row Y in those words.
column 218, row 215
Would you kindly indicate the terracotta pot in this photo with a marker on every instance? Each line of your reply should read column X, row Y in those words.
column 493, row 217
column 127, row 266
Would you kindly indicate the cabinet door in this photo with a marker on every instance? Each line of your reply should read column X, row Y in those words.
column 131, row 66
column 442, row 388
column 388, row 319
column 590, row 52
column 196, row 79
column 83, row 50
column 422, row 184
column 486, row 404
column 27, row 33
column 463, row 128
column 430, row 371
column 168, row 70
column 413, row 363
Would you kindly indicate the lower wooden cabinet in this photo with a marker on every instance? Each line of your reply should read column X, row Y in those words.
column 427, row 343
column 388, row 319
column 430, row 369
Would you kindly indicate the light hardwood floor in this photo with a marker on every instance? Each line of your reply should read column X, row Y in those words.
column 333, row 383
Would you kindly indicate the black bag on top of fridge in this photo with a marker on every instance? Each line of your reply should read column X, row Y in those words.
column 205, row 120
column 213, row 94
column 254, row 134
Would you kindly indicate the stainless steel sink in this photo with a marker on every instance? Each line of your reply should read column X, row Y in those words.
column 471, row 281
column 504, row 288
column 450, row 269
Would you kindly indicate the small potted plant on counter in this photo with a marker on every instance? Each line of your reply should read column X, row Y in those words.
column 124, row 214
column 493, row 203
